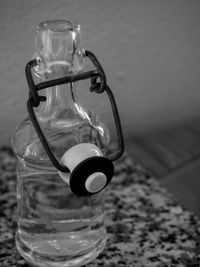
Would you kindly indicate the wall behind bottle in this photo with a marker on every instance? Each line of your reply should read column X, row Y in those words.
column 149, row 50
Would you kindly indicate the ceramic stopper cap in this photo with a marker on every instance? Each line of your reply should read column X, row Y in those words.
column 76, row 155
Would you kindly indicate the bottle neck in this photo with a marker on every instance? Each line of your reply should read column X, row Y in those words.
column 58, row 98
column 59, row 50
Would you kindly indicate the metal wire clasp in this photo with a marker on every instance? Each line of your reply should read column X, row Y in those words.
column 98, row 85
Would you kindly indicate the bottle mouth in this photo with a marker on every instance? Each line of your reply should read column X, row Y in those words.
column 58, row 48
column 58, row 26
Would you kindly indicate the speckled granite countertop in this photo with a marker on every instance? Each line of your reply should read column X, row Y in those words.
column 146, row 226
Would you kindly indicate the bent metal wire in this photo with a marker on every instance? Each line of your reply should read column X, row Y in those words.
column 96, row 86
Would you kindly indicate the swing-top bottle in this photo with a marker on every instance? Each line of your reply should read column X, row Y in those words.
column 56, row 227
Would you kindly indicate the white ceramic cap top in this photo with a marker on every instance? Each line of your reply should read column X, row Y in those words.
column 95, row 182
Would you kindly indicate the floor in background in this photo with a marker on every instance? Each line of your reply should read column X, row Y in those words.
column 173, row 156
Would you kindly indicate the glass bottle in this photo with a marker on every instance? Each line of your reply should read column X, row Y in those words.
column 56, row 227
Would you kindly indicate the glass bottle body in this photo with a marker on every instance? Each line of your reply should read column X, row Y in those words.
column 55, row 227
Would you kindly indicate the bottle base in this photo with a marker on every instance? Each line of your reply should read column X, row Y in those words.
column 36, row 259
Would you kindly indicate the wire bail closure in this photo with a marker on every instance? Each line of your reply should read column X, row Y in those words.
column 98, row 87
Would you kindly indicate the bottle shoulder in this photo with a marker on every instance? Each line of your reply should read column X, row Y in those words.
column 61, row 133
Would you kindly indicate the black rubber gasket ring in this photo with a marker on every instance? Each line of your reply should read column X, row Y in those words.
column 87, row 167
